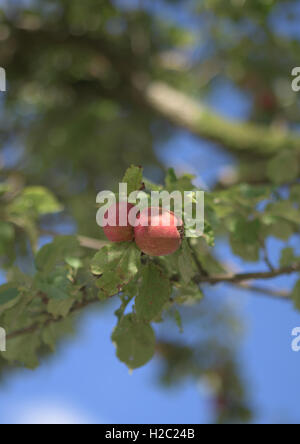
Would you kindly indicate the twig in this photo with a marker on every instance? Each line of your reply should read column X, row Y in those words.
column 188, row 113
column 93, row 244
column 236, row 278
column 201, row 270
column 86, row 242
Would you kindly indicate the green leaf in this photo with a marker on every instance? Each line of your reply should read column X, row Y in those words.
column 244, row 238
column 55, row 285
column 284, row 210
column 19, row 278
column 134, row 341
column 60, row 250
column 287, row 257
column 284, row 168
column 15, row 315
column 134, row 179
column 296, row 296
column 247, row 252
column 4, row 188
column 9, row 296
column 209, row 234
column 171, row 178
column 117, row 264
column 56, row 330
column 183, row 183
column 35, row 200
column 207, row 259
column 152, row 186
column 60, row 308
column 7, row 232
column 277, row 227
column 130, row 290
column 255, row 192
column 295, row 193
column 74, row 262
column 154, row 293
column 186, row 263
column 189, row 294
column 23, row 350
column 246, row 231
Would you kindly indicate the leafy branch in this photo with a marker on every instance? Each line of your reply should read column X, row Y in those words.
column 35, row 310
column 37, row 326
column 234, row 278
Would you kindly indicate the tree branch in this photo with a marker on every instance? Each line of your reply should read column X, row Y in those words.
column 276, row 294
column 93, row 244
column 237, row 278
column 203, row 277
column 174, row 105
column 33, row 328
column 241, row 138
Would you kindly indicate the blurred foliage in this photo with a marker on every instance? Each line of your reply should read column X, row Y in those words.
column 73, row 120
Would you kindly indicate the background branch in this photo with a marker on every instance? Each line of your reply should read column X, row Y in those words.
column 240, row 277
column 240, row 138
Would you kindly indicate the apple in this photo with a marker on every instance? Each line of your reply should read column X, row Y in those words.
column 158, row 232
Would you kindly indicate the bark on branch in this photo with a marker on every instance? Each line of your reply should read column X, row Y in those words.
column 244, row 277
column 236, row 279
column 241, row 138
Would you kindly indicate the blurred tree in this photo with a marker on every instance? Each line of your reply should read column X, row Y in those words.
column 94, row 87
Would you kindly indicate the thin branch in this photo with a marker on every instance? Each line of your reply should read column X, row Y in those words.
column 199, row 266
column 93, row 244
column 227, row 278
column 239, row 280
column 240, row 277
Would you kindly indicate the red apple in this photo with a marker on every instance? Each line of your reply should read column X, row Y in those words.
column 161, row 236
